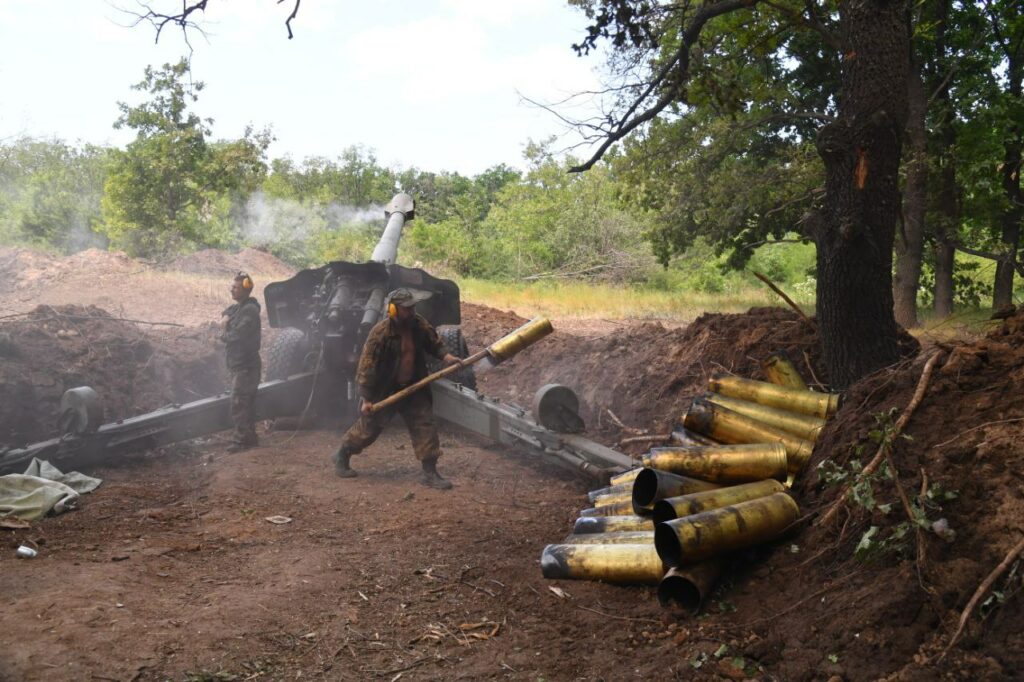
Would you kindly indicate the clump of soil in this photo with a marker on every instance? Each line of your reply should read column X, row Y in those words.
column 221, row 263
column 55, row 348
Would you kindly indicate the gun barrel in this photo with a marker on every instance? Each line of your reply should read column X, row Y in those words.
column 400, row 209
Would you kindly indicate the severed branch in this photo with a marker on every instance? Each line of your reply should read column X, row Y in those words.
column 659, row 438
column 886, row 445
column 787, row 299
column 627, row 429
column 980, row 592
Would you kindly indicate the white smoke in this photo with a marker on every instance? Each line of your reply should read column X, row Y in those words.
column 270, row 220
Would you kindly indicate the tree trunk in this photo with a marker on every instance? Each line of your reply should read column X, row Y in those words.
column 861, row 151
column 909, row 240
column 947, row 219
column 1002, row 294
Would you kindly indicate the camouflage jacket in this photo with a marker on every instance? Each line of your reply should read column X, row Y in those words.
column 378, row 365
column 242, row 335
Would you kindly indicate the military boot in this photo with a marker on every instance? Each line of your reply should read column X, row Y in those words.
column 431, row 478
column 341, row 467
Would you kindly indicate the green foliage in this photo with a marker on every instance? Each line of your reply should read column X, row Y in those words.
column 50, row 193
column 171, row 189
column 972, row 281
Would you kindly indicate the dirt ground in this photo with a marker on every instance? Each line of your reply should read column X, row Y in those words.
column 170, row 569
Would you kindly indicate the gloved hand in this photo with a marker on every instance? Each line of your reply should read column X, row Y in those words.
column 449, row 359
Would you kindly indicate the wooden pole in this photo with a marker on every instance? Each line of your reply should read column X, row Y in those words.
column 440, row 374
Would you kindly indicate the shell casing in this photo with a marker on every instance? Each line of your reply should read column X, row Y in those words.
column 689, row 585
column 614, row 498
column 633, row 537
column 590, row 512
column 626, row 477
column 781, row 372
column 620, row 508
column 513, row 342
column 691, row 539
column 822, row 405
column 695, row 503
column 802, row 426
column 609, row 490
column 611, row 524
column 610, row 563
column 726, row 464
column 652, row 485
column 683, row 437
column 731, row 427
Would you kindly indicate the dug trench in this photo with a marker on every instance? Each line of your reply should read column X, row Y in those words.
column 170, row 570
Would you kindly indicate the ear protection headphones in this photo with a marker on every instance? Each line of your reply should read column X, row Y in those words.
column 392, row 310
column 245, row 280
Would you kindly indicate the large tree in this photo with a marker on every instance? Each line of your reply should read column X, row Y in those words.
column 861, row 149
column 172, row 188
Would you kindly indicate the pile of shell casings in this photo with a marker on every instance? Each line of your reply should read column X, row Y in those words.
column 721, row 487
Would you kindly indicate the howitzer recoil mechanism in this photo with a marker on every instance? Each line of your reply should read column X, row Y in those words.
column 323, row 316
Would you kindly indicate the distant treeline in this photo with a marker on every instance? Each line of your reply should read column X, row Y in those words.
column 661, row 214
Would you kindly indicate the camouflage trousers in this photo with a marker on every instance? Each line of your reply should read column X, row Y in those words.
column 418, row 414
column 244, row 383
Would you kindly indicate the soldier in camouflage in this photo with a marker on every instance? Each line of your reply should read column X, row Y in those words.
column 395, row 356
column 241, row 324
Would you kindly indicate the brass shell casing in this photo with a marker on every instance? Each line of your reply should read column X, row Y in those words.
column 614, row 498
column 692, row 539
column 652, row 485
column 609, row 490
column 513, row 342
column 725, row 464
column 634, row 537
column 620, row 508
column 681, row 436
column 637, row 564
column 822, row 405
column 781, row 372
column 688, row 586
column 626, row 477
column 611, row 524
column 731, row 427
column 800, row 425
column 695, row 503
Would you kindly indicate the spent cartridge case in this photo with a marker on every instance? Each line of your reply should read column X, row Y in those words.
column 610, row 490
column 682, row 436
column 822, row 405
column 692, row 539
column 611, row 524
column 688, row 586
column 626, row 477
column 725, row 464
column 802, row 426
column 652, row 485
column 513, row 342
column 695, row 503
column 635, row 537
column 624, row 564
column 781, row 372
column 731, row 427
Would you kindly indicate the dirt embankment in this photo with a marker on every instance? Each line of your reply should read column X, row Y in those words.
column 60, row 347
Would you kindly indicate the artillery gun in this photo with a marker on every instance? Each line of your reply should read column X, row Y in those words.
column 324, row 316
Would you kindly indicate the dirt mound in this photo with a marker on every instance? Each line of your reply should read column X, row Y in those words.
column 28, row 270
column 647, row 375
column 223, row 264
column 962, row 463
column 55, row 348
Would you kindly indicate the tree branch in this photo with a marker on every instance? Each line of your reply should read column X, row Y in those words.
column 630, row 120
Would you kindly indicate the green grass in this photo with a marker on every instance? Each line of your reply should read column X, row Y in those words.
column 574, row 299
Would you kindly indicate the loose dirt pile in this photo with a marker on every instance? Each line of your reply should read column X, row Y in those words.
column 217, row 262
column 55, row 348
column 25, row 270
column 646, row 374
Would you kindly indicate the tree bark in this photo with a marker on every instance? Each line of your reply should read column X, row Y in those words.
column 947, row 219
column 1002, row 294
column 861, row 151
column 910, row 239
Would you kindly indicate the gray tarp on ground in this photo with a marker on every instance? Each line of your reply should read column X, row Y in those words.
column 31, row 495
